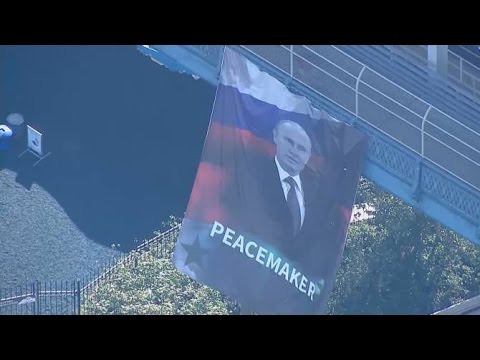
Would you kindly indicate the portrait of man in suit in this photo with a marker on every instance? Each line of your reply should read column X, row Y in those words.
column 285, row 200
column 294, row 149
column 306, row 215
column 288, row 186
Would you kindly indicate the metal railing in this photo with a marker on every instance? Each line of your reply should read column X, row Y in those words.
column 72, row 297
column 399, row 114
column 463, row 72
column 418, row 78
column 42, row 297
column 159, row 246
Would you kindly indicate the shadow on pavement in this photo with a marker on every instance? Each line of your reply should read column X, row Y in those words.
column 125, row 134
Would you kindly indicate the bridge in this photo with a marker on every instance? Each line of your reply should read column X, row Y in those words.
column 420, row 106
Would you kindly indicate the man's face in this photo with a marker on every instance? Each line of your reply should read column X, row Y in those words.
column 293, row 147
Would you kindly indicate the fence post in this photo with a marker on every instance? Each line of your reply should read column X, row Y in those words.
column 34, row 304
column 77, row 296
column 36, row 294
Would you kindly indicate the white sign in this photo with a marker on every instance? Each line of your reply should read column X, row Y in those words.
column 34, row 140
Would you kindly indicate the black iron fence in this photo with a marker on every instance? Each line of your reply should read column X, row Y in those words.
column 71, row 297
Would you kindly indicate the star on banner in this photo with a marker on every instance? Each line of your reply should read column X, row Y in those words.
column 194, row 252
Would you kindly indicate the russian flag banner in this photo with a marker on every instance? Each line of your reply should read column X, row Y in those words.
column 270, row 207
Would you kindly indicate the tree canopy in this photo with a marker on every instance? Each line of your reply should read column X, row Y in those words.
column 402, row 262
column 155, row 287
column 398, row 262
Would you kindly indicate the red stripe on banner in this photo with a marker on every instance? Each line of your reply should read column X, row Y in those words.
column 235, row 135
column 204, row 201
column 252, row 142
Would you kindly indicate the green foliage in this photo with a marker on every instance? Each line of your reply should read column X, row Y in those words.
column 401, row 262
column 155, row 287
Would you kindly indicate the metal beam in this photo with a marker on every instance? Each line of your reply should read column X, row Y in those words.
column 438, row 58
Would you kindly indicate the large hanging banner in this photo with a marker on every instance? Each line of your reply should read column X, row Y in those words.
column 270, row 207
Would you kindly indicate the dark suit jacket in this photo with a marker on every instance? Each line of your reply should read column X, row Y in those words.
column 257, row 206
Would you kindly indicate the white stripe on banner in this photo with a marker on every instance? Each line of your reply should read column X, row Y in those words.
column 242, row 74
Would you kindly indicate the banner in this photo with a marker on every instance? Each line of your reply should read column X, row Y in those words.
column 269, row 211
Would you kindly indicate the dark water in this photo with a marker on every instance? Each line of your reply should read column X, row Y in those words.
column 125, row 134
